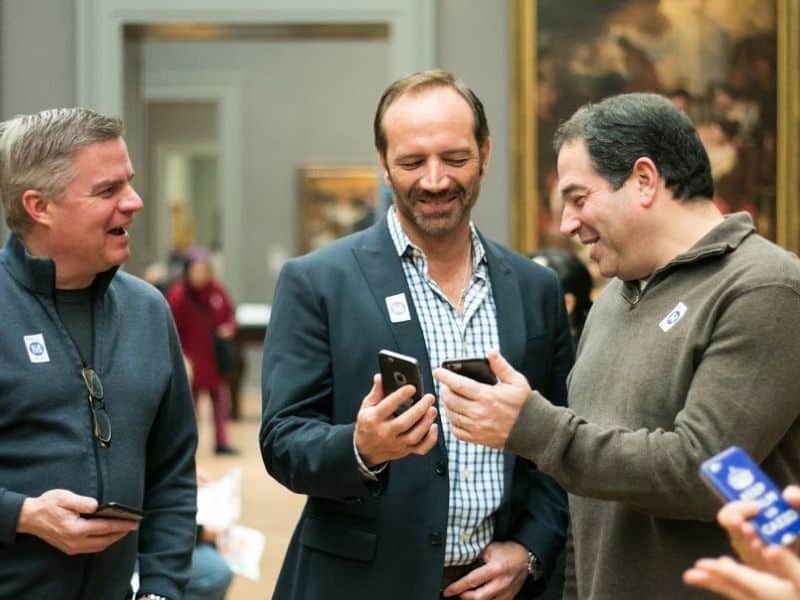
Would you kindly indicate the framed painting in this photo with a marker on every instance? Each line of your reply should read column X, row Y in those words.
column 732, row 65
column 335, row 201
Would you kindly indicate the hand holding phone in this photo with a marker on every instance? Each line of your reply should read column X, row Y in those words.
column 115, row 510
column 734, row 476
column 477, row 369
column 398, row 370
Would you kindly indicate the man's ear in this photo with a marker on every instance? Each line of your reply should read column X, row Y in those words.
column 485, row 154
column 645, row 177
column 37, row 206
column 385, row 169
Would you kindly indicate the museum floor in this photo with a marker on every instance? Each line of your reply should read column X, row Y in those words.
column 266, row 506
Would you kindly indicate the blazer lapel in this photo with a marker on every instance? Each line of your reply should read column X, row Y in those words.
column 510, row 324
column 383, row 271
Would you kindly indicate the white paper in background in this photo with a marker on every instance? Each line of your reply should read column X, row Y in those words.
column 242, row 547
column 219, row 503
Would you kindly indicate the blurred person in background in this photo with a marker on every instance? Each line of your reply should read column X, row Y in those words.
column 211, row 576
column 576, row 283
column 203, row 310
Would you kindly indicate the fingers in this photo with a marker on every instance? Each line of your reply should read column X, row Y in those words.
column 55, row 517
column 69, row 501
column 503, row 369
column 733, row 514
column 375, row 394
column 463, row 386
column 470, row 581
column 785, row 563
column 738, row 582
column 428, row 442
column 792, row 496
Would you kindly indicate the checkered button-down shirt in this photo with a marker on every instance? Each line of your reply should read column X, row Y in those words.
column 476, row 472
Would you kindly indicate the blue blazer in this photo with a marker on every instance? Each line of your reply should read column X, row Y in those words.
column 329, row 320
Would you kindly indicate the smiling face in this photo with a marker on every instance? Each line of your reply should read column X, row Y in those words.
column 601, row 217
column 433, row 162
column 88, row 226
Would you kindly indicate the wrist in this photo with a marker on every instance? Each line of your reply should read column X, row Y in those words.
column 364, row 457
column 27, row 515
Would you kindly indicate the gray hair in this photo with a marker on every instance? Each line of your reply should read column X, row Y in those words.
column 37, row 151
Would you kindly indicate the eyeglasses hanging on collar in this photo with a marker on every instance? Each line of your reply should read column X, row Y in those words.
column 100, row 418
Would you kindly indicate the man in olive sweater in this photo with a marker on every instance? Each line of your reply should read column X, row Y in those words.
column 692, row 347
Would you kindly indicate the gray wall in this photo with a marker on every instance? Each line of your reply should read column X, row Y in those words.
column 42, row 74
column 474, row 44
column 302, row 102
column 37, row 57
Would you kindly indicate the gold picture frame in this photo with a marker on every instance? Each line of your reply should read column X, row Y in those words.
column 782, row 221
column 335, row 201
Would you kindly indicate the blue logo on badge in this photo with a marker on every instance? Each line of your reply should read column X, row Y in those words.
column 36, row 348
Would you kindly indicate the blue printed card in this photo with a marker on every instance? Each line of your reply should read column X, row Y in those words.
column 735, row 476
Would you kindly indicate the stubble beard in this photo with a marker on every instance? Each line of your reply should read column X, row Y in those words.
column 438, row 225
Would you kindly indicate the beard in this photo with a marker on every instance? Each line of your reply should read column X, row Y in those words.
column 437, row 222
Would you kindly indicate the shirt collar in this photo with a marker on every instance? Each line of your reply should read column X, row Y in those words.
column 405, row 247
column 722, row 239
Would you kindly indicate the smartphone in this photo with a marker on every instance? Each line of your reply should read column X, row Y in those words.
column 733, row 475
column 115, row 510
column 474, row 368
column 398, row 370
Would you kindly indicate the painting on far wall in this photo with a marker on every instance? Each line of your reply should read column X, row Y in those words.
column 335, row 201
column 718, row 60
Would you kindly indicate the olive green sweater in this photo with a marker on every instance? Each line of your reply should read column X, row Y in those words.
column 651, row 397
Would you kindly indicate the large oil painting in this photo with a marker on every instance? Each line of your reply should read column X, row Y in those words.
column 335, row 201
column 728, row 63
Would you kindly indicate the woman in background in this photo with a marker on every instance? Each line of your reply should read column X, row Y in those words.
column 202, row 309
column 576, row 283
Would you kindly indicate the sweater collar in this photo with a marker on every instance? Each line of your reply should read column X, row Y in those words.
column 724, row 238
column 39, row 274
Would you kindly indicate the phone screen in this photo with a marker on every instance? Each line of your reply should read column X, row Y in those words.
column 733, row 475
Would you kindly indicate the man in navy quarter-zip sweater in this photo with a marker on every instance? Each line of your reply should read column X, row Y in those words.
column 94, row 402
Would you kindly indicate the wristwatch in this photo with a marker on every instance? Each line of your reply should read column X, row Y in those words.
column 534, row 567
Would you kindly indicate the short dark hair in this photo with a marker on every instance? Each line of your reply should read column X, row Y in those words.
column 623, row 128
column 424, row 80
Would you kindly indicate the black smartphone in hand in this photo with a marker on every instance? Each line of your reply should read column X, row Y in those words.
column 398, row 370
column 115, row 510
column 476, row 368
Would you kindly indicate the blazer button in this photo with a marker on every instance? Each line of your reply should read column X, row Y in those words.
column 441, row 468
column 435, row 538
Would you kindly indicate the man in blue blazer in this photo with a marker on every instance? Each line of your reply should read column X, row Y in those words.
column 398, row 508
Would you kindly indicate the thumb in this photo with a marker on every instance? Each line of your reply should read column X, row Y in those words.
column 74, row 502
column 501, row 367
column 375, row 394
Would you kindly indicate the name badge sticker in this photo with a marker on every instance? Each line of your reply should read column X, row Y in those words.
column 37, row 350
column 675, row 315
column 397, row 306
